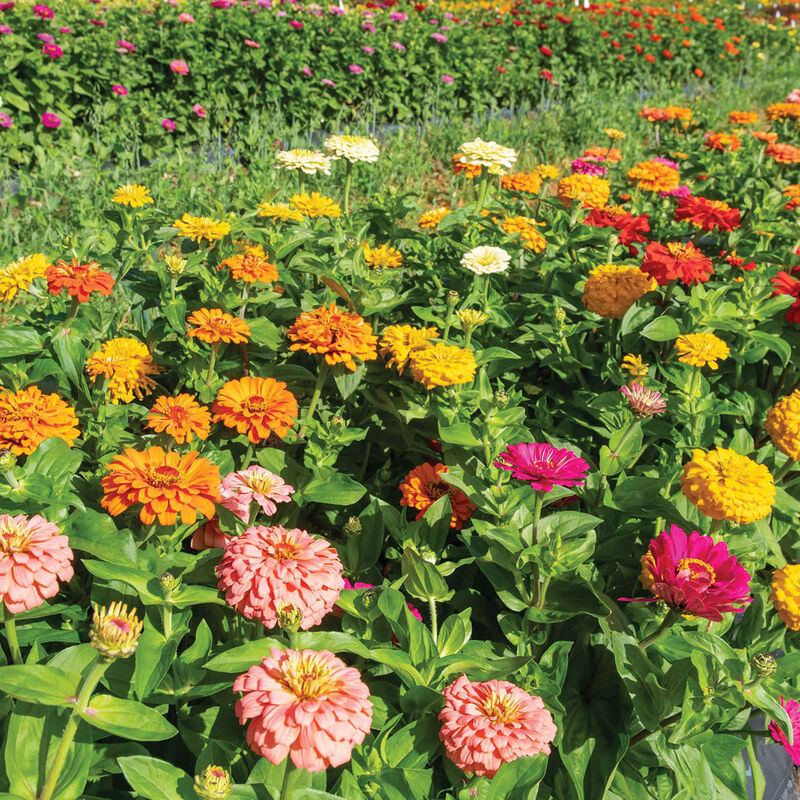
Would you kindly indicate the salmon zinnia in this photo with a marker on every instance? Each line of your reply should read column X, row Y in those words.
column 166, row 484
column 256, row 407
column 240, row 489
column 28, row 417
column 422, row 487
column 80, row 280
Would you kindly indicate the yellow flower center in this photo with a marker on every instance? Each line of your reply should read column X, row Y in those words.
column 163, row 477
column 260, row 484
column 307, row 676
column 679, row 250
column 255, row 403
column 282, row 551
column 697, row 569
column 14, row 541
column 500, row 709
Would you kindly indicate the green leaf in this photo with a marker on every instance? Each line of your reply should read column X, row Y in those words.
column 241, row 658
column 335, row 641
column 661, row 330
column 92, row 532
column 145, row 583
column 423, row 580
column 459, row 433
column 156, row 779
column 346, row 381
column 54, row 460
column 332, row 488
column 154, row 656
column 128, row 719
column 515, row 779
column 37, row 683
column 18, row 340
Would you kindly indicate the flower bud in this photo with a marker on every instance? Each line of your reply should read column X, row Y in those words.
column 500, row 398
column 169, row 583
column 7, row 459
column 560, row 315
column 115, row 631
column 290, row 617
column 337, row 422
column 452, row 298
column 213, row 783
column 175, row 265
column 470, row 318
column 764, row 665
column 352, row 527
column 369, row 598
column 426, row 554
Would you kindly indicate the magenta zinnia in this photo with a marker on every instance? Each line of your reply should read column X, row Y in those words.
column 543, row 465
column 792, row 708
column 694, row 575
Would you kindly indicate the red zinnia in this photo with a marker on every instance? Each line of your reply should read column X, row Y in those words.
column 707, row 214
column 785, row 283
column 80, row 280
column 676, row 261
column 631, row 228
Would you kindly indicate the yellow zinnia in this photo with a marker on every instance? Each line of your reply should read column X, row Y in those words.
column 699, row 349
column 635, row 366
column 198, row 228
column 132, row 194
column 400, row 341
column 19, row 275
column 315, row 205
column 432, row 218
column 442, row 365
column 613, row 288
column 382, row 257
column 785, row 595
column 783, row 425
column 589, row 190
column 279, row 212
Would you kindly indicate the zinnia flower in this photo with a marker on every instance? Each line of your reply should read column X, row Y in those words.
column 431, row 219
column 783, row 425
column 166, row 484
column 198, row 228
column 352, row 148
column 783, row 153
column 792, row 708
column 34, row 557
column 279, row 212
column 213, row 325
column 266, row 570
column 635, row 366
column 422, row 487
column 307, row 161
column 50, row 120
column 239, row 489
column 676, row 261
column 315, row 205
column 303, row 704
column 743, row 117
column 179, row 67
column 199, row 111
column 442, row 365
column 644, row 402
column 526, row 182
column 630, row 229
column 495, row 157
column 785, row 595
column 19, row 275
column 119, row 89
column 484, row 260
column 528, row 232
column 543, row 465
column 127, row 365
column 612, row 289
column 180, row 417
column 382, row 257
column 400, row 341
column 132, row 194
column 785, row 283
column 777, row 111
column 654, row 176
column 80, row 280
column 115, row 631
column 694, row 575
column 589, row 190
column 251, row 266
column 214, row 782
column 701, row 349
column 168, row 124
column 486, row 725
column 209, row 535
column 708, row 215
column 726, row 485
column 256, row 407
column 723, row 142
column 338, row 336
column 28, row 417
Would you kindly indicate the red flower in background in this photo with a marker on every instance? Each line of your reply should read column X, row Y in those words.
column 631, row 228
column 707, row 214
column 786, row 283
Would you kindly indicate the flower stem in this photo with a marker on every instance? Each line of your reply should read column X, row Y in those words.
column 11, row 634
column 248, row 456
column 483, row 190
column 324, row 369
column 434, row 620
column 780, row 473
column 716, row 524
column 288, row 780
column 759, row 784
column 348, row 181
column 662, row 630
column 485, row 292
column 211, row 362
column 301, row 181
column 537, row 514
column 81, row 704
column 73, row 310
column 245, row 290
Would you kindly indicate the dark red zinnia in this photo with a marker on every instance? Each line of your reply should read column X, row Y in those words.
column 630, row 228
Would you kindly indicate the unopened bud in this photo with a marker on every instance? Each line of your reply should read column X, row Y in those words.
column 175, row 265
column 470, row 318
column 213, row 783
column 290, row 617
column 115, row 631
column 559, row 315
column 337, row 421
column 352, row 527
column 764, row 665
column 426, row 554
column 369, row 598
column 169, row 583
column 371, row 787
column 452, row 298
column 500, row 398
column 7, row 459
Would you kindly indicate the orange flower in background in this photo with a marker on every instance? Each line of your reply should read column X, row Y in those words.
column 609, row 155
column 528, row 232
column 251, row 266
column 709, row 215
column 432, row 218
column 793, row 193
column 666, row 114
column 28, row 417
column 743, row 117
column 776, row 111
column 590, row 190
column 256, row 407
column 422, row 487
column 166, row 484
column 335, row 334
column 127, row 365
column 180, row 417
column 213, row 325
column 784, row 153
column 653, row 176
column 527, row 182
column 724, row 142
column 80, row 280
column 765, row 136
column 470, row 170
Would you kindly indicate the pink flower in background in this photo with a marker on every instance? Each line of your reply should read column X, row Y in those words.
column 265, row 570
column 644, row 402
column 671, row 164
column 485, row 725
column 208, row 536
column 368, row 27
column 296, row 24
column 678, row 191
column 50, row 120
column 543, row 465
column 98, row 22
column 179, row 67
column 327, row 82
column 240, row 489
column 336, row 11
column 7, row 6
column 52, row 50
column 199, row 110
column 184, row 17
column 439, row 37
column 6, row 121
column 447, row 78
column 355, row 69
column 693, row 575
column 587, row 167
column 368, row 50
column 119, row 89
column 306, row 71
column 398, row 46
column 792, row 708
column 398, row 16
column 125, row 47
column 65, row 30
column 45, row 12
column 793, row 97
column 168, row 124
column 45, row 37
column 5, row 29
column 251, row 43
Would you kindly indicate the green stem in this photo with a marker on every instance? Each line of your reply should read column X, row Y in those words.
column 301, row 181
column 11, row 634
column 11, row 478
column 781, row 472
column 662, row 630
column 483, row 190
column 245, row 290
column 324, row 369
column 434, row 619
column 759, row 784
column 81, row 704
column 448, row 321
column 288, row 780
column 73, row 310
column 167, row 620
column 211, row 362
column 716, row 524
column 537, row 514
column 485, row 292
column 468, row 336
column 348, row 181
column 642, row 735
column 248, row 456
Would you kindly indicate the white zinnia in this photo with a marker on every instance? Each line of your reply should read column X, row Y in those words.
column 353, row 148
column 308, row 161
column 484, row 260
column 488, row 154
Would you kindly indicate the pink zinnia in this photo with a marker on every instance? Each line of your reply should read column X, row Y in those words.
column 251, row 43
column 180, row 67
column 694, row 575
column 356, row 69
column 447, row 78
column 644, row 402
column 304, row 704
column 199, row 110
column 34, row 557
column 50, row 120
column 5, row 29
column 439, row 37
column 240, row 489
column 168, row 124
column 792, row 708
column 6, row 121
column 52, row 50
column 266, row 570
column 119, row 89
column 209, row 535
column 306, row 71
column 398, row 46
column 485, row 725
column 582, row 166
column 327, row 82
column 543, row 465
column 185, row 17
column 296, row 24
column 45, row 12
column 65, row 30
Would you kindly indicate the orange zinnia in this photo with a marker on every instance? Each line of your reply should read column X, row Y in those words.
column 722, row 141
column 527, row 182
column 336, row 334
column 609, row 154
column 80, row 280
column 743, row 117
column 784, row 153
column 213, row 325
column 28, row 417
column 127, row 365
column 180, row 417
column 422, row 487
column 470, row 170
column 166, row 484
column 251, row 266
column 256, row 406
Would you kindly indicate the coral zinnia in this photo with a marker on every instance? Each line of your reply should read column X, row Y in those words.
column 783, row 425
column 543, row 465
column 701, row 349
column 198, row 228
column 132, row 194
column 240, row 489
column 785, row 595
column 694, row 575
column 785, row 283
column 400, row 341
column 19, row 275
column 726, row 485
column 432, row 218
column 644, row 402
column 422, row 487
column 256, row 406
column 588, row 190
column 315, row 205
column 485, row 725
column 166, row 484
column 127, row 364
column 180, row 417
column 266, row 570
column 80, row 280
column 209, row 535
column 382, row 257
column 707, row 214
column 792, row 708
column 304, row 704
column 251, row 266
column 337, row 335
column 28, row 417
column 676, row 261
column 213, row 325
column 34, row 557
column 612, row 289
column 442, row 365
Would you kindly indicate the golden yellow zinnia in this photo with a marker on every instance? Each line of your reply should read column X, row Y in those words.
column 400, row 341
column 19, row 275
column 612, row 289
column 315, row 205
column 198, row 228
column 442, row 365
column 382, row 257
column 635, row 366
column 588, row 190
column 785, row 595
column 279, row 212
column 699, row 349
column 132, row 194
column 783, row 425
